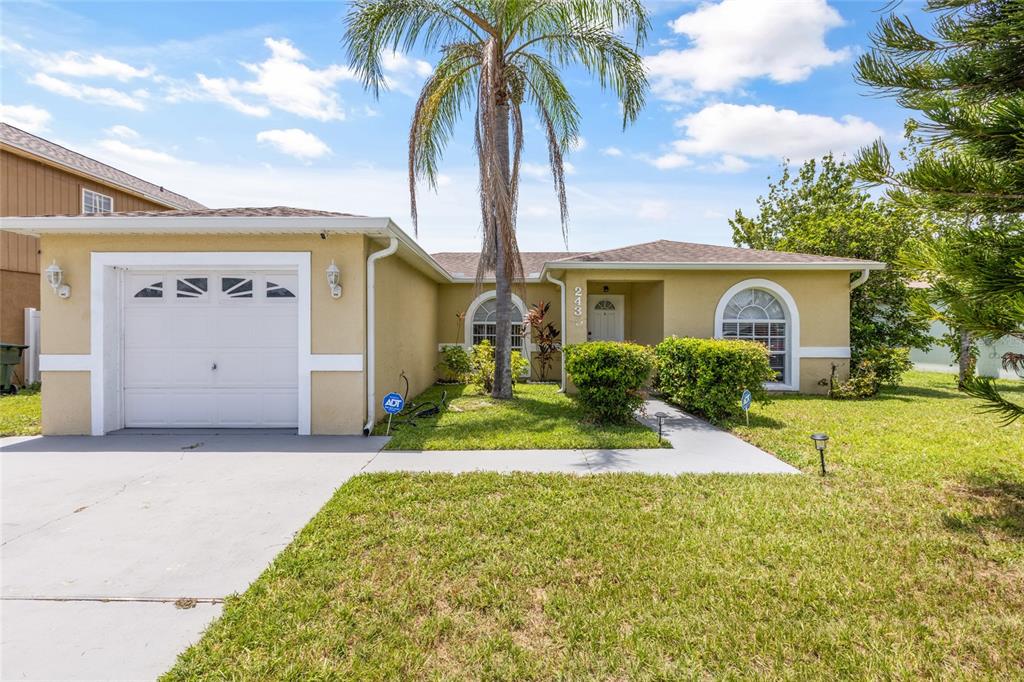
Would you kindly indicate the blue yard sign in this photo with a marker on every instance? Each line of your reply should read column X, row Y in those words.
column 745, row 400
column 393, row 404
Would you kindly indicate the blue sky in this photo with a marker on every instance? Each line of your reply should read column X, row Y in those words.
column 253, row 104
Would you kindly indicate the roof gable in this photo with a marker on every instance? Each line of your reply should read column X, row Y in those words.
column 101, row 172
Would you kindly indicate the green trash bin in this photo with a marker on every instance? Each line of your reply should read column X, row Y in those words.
column 10, row 356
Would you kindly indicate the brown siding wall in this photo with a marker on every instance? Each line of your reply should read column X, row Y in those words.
column 29, row 187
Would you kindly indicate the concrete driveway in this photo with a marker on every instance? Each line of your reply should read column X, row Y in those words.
column 102, row 535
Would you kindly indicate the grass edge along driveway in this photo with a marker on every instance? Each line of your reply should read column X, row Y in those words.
column 21, row 414
column 882, row 569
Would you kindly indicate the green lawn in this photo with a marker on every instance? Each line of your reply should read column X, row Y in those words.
column 538, row 417
column 907, row 562
column 20, row 414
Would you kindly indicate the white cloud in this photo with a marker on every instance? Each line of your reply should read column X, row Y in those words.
column 97, row 66
column 295, row 142
column 537, row 171
column 124, row 151
column 611, row 151
column 542, row 171
column 579, row 144
column 669, row 161
column 122, row 132
column 734, row 41
column 764, row 132
column 88, row 93
column 403, row 73
column 396, row 62
column 729, row 164
column 284, row 82
column 25, row 116
column 653, row 209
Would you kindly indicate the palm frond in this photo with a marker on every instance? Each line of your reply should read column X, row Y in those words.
column 438, row 109
column 993, row 402
column 376, row 26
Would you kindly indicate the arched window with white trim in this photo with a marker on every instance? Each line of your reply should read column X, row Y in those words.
column 483, row 324
column 758, row 315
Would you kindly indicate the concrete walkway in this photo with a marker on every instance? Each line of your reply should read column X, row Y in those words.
column 697, row 448
column 101, row 535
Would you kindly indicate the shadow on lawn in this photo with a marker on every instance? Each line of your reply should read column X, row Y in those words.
column 995, row 501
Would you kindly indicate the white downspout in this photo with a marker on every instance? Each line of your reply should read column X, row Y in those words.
column 561, row 354
column 864, row 274
column 371, row 337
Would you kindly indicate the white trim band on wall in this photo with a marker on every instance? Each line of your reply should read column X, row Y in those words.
column 825, row 352
column 65, row 363
column 322, row 362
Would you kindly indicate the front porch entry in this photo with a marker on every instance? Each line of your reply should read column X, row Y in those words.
column 606, row 317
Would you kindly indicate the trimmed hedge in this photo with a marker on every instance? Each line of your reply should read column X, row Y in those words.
column 707, row 376
column 610, row 377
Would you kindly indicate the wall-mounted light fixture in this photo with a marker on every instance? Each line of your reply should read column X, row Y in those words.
column 334, row 279
column 55, row 276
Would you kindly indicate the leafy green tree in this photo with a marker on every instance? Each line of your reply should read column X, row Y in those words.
column 497, row 57
column 821, row 210
column 964, row 81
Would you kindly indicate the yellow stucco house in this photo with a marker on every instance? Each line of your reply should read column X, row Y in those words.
column 289, row 318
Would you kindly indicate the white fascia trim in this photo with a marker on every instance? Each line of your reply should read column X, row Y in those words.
column 792, row 317
column 297, row 261
column 825, row 352
column 65, row 363
column 724, row 265
column 322, row 362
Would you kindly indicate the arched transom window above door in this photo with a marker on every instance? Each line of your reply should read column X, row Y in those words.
column 758, row 314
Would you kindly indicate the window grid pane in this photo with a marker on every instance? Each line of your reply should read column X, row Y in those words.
column 762, row 321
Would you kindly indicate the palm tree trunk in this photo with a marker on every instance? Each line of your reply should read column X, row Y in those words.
column 502, row 286
column 965, row 360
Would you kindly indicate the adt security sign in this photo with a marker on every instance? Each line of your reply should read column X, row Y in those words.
column 745, row 400
column 393, row 403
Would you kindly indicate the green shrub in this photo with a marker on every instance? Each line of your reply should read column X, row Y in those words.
column 708, row 376
column 888, row 364
column 610, row 377
column 454, row 365
column 863, row 383
column 481, row 362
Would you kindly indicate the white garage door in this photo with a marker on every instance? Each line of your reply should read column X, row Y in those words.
column 210, row 349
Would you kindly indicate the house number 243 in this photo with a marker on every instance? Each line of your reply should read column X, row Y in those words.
column 577, row 301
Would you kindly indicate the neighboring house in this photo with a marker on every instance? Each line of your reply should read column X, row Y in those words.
column 228, row 318
column 938, row 358
column 39, row 177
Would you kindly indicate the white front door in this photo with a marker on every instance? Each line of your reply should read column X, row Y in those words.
column 210, row 349
column 606, row 317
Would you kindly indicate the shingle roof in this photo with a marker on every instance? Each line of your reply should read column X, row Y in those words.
column 239, row 212
column 15, row 137
column 465, row 262
column 662, row 251
column 665, row 251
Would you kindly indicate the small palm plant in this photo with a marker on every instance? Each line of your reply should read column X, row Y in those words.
column 499, row 56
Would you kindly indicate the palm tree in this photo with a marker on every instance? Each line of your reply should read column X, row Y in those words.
column 500, row 55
